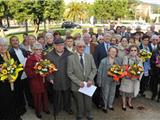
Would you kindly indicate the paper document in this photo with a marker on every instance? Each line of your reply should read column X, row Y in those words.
column 88, row 90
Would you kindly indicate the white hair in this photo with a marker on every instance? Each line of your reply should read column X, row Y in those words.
column 154, row 37
column 37, row 45
column 4, row 41
column 79, row 42
column 48, row 34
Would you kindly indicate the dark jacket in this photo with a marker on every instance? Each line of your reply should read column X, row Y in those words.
column 99, row 54
column 60, row 77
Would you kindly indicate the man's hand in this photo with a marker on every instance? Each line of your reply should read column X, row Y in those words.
column 51, row 81
column 158, row 65
column 89, row 83
column 81, row 84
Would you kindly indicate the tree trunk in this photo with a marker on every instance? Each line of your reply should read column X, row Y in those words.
column 26, row 26
column 8, row 23
column 1, row 24
column 36, row 23
column 44, row 24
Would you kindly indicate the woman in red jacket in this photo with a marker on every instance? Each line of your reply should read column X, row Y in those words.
column 37, row 86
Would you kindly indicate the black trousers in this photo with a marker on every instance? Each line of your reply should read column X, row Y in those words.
column 155, row 80
column 26, row 91
column 144, row 84
column 61, row 100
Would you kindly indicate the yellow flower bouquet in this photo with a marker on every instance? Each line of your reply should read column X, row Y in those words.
column 144, row 55
column 44, row 67
column 134, row 71
column 9, row 71
column 116, row 72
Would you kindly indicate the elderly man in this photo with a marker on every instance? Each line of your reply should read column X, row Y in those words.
column 22, row 83
column 154, row 42
column 81, row 67
column 89, row 46
column 60, row 79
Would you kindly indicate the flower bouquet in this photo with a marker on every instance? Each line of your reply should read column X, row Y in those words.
column 158, row 59
column 44, row 67
column 144, row 55
column 116, row 72
column 9, row 71
column 134, row 71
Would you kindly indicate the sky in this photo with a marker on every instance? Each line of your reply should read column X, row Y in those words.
column 91, row 1
column 152, row 1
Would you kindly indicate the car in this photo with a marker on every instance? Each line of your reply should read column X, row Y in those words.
column 68, row 24
column 142, row 25
column 4, row 28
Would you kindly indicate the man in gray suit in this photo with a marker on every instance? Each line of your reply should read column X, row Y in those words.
column 81, row 67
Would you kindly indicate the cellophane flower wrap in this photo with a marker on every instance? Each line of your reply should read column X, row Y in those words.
column 44, row 67
column 133, row 71
column 145, row 55
column 158, row 59
column 116, row 72
column 9, row 71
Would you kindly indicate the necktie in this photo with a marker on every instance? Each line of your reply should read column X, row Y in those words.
column 81, row 61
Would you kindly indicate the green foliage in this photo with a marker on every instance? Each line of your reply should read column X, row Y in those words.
column 110, row 9
column 76, row 11
column 53, row 9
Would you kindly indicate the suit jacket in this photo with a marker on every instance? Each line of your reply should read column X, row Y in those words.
column 149, row 46
column 60, row 77
column 76, row 72
column 103, row 78
column 92, row 47
column 99, row 54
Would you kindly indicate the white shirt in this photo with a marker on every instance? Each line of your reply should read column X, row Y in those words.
column 22, row 60
column 154, row 47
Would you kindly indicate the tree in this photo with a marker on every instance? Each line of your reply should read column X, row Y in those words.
column 75, row 11
column 53, row 9
column 4, row 12
column 110, row 9
column 25, row 10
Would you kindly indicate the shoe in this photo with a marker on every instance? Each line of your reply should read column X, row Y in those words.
column 39, row 115
column 124, row 108
column 153, row 97
column 31, row 106
column 104, row 110
column 47, row 112
column 70, row 112
column 89, row 118
column 131, row 107
column 111, row 108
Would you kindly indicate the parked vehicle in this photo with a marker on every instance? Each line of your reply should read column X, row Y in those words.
column 68, row 24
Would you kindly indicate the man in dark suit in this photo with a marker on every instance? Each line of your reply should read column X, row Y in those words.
column 21, row 84
column 81, row 67
column 60, row 81
column 101, row 49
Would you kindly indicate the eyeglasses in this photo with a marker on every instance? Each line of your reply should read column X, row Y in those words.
column 133, row 50
column 38, row 49
column 80, row 46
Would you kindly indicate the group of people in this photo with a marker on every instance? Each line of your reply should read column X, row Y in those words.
column 83, row 58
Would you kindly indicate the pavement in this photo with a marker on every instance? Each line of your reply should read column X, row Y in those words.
column 144, row 109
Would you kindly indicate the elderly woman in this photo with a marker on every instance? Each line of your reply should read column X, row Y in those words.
column 8, row 106
column 122, row 47
column 106, row 82
column 49, row 42
column 36, row 82
column 130, row 87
